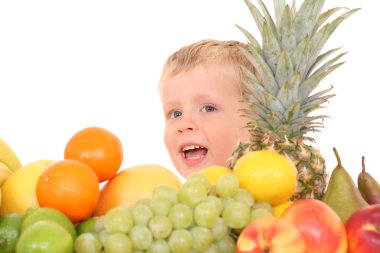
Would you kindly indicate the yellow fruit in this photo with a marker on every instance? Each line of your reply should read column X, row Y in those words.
column 280, row 209
column 133, row 184
column 19, row 190
column 8, row 156
column 214, row 172
column 268, row 175
column 5, row 172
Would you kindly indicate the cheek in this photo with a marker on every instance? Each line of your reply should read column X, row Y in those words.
column 168, row 135
column 224, row 140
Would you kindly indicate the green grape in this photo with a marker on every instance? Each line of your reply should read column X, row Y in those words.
column 180, row 241
column 259, row 213
column 237, row 231
column 237, row 215
column 142, row 201
column 206, row 215
column 220, row 229
column 160, row 205
column 141, row 237
column 227, row 200
column 87, row 243
column 244, row 196
column 212, row 190
column 181, row 216
column 141, row 214
column 202, row 238
column 87, row 226
column 212, row 249
column 99, row 224
column 118, row 243
column 160, row 226
column 166, row 192
column 264, row 205
column 215, row 201
column 118, row 220
column 226, row 245
column 192, row 194
column 227, row 185
column 103, row 235
column 159, row 246
column 196, row 177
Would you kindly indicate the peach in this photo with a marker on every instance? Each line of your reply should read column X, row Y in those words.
column 321, row 227
column 270, row 234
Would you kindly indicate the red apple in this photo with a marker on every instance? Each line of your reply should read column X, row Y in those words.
column 270, row 234
column 363, row 230
column 321, row 227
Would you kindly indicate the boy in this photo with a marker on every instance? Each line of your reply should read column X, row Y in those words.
column 201, row 93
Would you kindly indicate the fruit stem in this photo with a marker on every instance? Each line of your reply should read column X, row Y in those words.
column 337, row 157
column 363, row 165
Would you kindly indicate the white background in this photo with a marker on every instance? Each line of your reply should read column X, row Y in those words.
column 67, row 65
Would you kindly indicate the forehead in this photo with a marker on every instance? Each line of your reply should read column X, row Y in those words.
column 217, row 73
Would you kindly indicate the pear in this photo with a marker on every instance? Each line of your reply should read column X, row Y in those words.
column 342, row 195
column 368, row 186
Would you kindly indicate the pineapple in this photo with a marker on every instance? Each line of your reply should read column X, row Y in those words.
column 280, row 94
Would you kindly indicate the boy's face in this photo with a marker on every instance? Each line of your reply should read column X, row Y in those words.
column 203, row 122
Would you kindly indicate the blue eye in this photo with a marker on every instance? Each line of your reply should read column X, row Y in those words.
column 208, row 108
column 175, row 114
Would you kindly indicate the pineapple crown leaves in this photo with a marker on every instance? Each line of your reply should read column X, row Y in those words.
column 289, row 65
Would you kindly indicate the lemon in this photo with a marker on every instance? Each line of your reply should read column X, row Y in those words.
column 268, row 175
column 214, row 172
column 281, row 208
column 5, row 172
column 18, row 192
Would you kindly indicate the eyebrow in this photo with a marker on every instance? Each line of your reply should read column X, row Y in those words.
column 197, row 97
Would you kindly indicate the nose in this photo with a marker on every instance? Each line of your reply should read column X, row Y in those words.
column 186, row 125
column 185, row 129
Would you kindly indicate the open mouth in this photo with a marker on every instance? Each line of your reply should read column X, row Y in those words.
column 194, row 152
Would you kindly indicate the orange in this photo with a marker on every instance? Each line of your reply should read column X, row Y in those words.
column 70, row 186
column 97, row 147
column 133, row 184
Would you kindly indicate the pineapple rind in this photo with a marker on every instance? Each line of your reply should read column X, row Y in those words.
column 311, row 178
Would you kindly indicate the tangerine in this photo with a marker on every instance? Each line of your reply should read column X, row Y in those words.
column 99, row 148
column 70, row 186
column 133, row 184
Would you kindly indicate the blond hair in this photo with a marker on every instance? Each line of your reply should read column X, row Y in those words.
column 207, row 52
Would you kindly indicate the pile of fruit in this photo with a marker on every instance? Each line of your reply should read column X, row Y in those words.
column 59, row 207
column 272, row 198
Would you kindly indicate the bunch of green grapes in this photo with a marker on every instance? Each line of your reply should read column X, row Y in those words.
column 198, row 217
